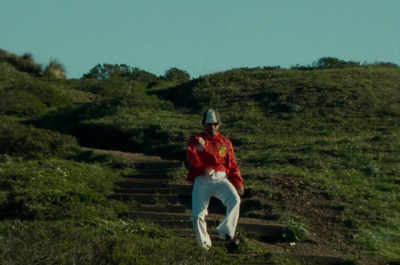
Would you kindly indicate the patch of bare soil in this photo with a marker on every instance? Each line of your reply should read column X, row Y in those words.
column 328, row 233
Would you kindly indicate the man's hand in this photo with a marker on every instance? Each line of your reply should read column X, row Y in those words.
column 240, row 191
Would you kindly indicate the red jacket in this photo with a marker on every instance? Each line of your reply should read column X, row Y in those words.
column 212, row 152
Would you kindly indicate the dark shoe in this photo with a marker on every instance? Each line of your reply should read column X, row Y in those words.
column 231, row 243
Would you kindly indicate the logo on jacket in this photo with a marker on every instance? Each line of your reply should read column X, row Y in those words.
column 202, row 141
column 200, row 146
column 222, row 150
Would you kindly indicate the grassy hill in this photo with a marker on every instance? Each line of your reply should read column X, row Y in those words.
column 318, row 149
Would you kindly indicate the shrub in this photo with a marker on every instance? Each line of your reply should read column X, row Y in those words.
column 31, row 98
column 52, row 189
column 21, row 140
column 122, row 71
column 177, row 75
column 24, row 63
column 55, row 69
column 89, row 85
column 20, row 103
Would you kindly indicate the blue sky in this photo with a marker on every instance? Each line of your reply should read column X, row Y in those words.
column 200, row 36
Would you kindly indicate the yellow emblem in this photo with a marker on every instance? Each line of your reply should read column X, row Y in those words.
column 222, row 150
column 222, row 153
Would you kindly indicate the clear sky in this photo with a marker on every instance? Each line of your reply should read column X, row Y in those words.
column 200, row 36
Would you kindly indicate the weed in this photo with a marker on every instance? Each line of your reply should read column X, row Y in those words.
column 296, row 230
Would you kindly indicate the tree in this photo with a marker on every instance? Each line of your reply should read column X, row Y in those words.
column 331, row 62
column 177, row 75
column 109, row 71
column 327, row 62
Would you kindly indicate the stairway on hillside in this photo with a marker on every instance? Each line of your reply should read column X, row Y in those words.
column 160, row 200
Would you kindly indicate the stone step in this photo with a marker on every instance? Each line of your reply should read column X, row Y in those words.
column 268, row 232
column 169, row 220
column 265, row 259
column 169, row 208
column 180, row 189
column 183, row 224
column 155, row 216
column 186, row 189
column 215, row 205
column 159, row 166
column 161, row 186
column 189, row 233
column 143, row 190
column 293, row 258
column 182, row 220
column 148, row 175
column 141, row 183
column 146, row 198
column 306, row 259
column 152, row 185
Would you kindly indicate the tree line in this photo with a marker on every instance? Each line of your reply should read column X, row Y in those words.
column 106, row 71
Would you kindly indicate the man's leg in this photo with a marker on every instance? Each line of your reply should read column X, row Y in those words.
column 227, row 193
column 201, row 194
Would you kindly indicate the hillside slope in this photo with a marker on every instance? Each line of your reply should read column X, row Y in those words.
column 318, row 148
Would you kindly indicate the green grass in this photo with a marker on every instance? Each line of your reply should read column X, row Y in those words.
column 333, row 132
column 99, row 242
column 56, row 190
column 57, row 211
column 359, row 168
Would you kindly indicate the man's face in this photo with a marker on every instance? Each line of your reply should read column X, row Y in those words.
column 211, row 128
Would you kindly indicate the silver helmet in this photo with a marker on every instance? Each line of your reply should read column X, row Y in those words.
column 211, row 116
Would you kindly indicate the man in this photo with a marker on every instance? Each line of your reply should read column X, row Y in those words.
column 215, row 172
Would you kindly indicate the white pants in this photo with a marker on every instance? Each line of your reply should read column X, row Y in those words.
column 220, row 187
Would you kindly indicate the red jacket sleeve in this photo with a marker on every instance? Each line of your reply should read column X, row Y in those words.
column 192, row 156
column 232, row 168
column 196, row 164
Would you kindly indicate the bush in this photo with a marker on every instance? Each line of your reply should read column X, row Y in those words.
column 122, row 71
column 49, row 94
column 32, row 99
column 52, row 189
column 20, row 140
column 20, row 103
column 89, row 85
column 55, row 69
column 177, row 75
column 24, row 63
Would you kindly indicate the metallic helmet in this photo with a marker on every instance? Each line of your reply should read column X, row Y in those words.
column 211, row 116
